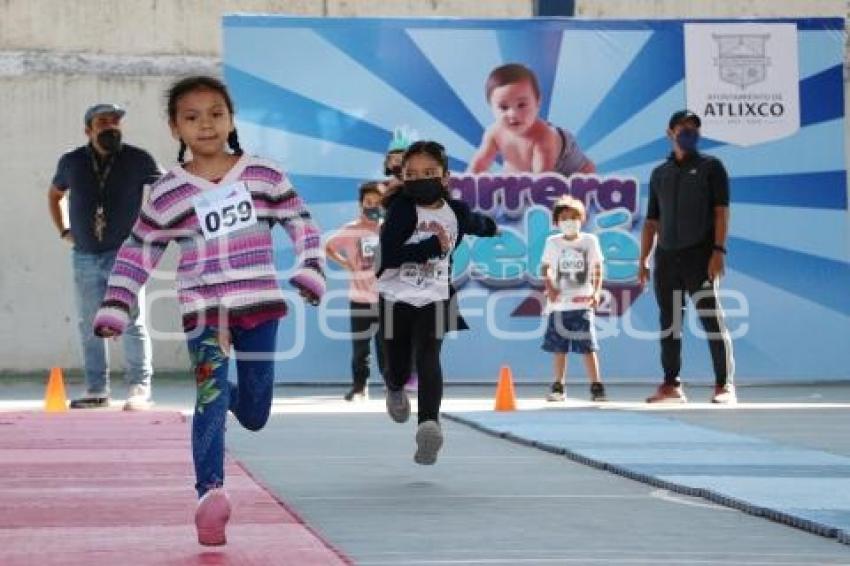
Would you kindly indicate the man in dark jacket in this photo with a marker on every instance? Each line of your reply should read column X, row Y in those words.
column 688, row 218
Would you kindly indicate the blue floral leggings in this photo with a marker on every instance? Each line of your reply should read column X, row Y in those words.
column 250, row 399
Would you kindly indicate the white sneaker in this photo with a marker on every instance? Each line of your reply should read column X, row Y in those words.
column 724, row 395
column 138, row 398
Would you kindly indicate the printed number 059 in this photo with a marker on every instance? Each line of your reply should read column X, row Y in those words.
column 213, row 218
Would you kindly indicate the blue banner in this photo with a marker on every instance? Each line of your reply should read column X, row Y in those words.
column 324, row 97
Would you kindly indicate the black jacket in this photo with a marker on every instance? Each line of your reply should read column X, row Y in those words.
column 682, row 198
column 399, row 226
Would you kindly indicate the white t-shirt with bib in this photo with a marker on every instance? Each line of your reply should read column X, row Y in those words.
column 419, row 284
column 571, row 264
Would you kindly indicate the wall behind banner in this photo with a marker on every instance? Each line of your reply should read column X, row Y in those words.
column 323, row 96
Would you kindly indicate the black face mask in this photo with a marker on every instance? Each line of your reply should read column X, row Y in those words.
column 394, row 171
column 687, row 140
column 373, row 213
column 109, row 140
column 424, row 191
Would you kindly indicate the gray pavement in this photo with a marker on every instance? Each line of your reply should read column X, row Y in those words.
column 488, row 501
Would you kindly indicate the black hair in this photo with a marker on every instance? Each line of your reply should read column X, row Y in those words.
column 430, row 148
column 369, row 187
column 201, row 82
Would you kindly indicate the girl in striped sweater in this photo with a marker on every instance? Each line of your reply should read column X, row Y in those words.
column 219, row 208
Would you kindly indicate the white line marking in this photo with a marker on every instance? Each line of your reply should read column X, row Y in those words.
column 667, row 495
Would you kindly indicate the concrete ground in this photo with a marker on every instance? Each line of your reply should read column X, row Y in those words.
column 348, row 470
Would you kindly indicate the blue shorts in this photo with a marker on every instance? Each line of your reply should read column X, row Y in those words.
column 571, row 331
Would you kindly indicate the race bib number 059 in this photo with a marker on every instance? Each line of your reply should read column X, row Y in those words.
column 225, row 210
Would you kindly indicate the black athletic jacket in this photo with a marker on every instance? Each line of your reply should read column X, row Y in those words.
column 400, row 224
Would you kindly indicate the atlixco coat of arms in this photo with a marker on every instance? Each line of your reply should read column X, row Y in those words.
column 741, row 58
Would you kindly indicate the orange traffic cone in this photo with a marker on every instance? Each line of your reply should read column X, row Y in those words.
column 505, row 396
column 54, row 398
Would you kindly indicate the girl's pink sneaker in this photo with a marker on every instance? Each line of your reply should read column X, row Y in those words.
column 211, row 517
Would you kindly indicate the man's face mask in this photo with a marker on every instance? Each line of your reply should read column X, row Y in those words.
column 687, row 139
column 424, row 191
column 109, row 140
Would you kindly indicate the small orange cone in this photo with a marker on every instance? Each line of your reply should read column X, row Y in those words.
column 54, row 398
column 505, row 395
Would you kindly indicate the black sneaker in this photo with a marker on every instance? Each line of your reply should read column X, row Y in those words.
column 597, row 392
column 90, row 403
column 357, row 394
column 556, row 393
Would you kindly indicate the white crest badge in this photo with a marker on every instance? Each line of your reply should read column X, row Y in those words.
column 741, row 58
column 743, row 80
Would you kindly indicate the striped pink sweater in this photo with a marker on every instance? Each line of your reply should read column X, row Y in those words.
column 233, row 274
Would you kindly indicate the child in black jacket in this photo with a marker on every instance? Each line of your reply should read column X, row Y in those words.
column 418, row 305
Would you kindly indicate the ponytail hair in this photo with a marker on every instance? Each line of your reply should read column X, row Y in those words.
column 233, row 142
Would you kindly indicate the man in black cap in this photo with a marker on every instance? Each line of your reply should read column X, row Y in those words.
column 688, row 219
column 104, row 181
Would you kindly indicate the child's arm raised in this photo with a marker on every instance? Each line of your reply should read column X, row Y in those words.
column 138, row 257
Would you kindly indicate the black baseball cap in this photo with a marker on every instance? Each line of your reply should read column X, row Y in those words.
column 683, row 116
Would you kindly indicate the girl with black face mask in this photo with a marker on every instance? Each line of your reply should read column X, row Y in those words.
column 418, row 305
